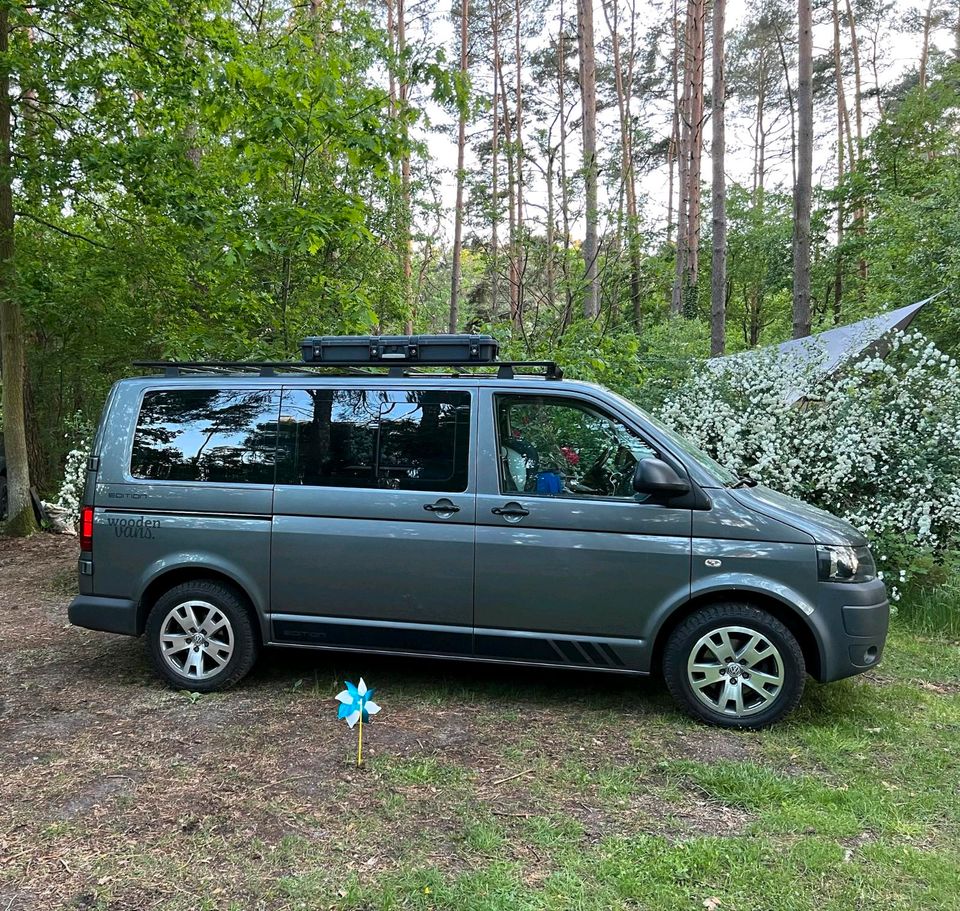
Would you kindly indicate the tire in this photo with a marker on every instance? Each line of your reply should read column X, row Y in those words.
column 705, row 677
column 201, row 636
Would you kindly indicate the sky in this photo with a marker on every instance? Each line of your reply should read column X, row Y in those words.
column 899, row 51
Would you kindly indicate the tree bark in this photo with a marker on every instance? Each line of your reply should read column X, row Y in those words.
column 461, row 144
column 564, row 189
column 20, row 518
column 718, row 280
column 843, row 124
column 696, row 148
column 925, row 52
column 626, row 162
column 409, row 303
column 588, row 91
column 673, row 145
column 683, row 169
column 803, row 186
column 495, row 166
column 691, row 153
column 514, row 278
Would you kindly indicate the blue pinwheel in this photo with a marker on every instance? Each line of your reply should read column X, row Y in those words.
column 356, row 705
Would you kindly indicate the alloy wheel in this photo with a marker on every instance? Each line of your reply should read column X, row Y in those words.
column 736, row 671
column 196, row 640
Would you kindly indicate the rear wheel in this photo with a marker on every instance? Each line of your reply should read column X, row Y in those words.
column 201, row 636
column 735, row 666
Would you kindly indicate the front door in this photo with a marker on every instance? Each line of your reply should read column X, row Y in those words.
column 374, row 508
column 570, row 561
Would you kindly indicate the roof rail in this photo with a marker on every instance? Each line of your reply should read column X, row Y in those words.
column 505, row 370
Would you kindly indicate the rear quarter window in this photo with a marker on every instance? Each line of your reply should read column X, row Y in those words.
column 226, row 436
column 416, row 440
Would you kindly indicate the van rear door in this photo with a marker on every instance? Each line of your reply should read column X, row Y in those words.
column 374, row 508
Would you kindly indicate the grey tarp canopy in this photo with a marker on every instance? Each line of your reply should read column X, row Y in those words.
column 827, row 351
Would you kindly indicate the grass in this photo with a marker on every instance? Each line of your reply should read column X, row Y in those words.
column 484, row 789
column 852, row 803
column 934, row 610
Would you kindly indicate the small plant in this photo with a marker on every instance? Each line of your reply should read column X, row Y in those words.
column 79, row 434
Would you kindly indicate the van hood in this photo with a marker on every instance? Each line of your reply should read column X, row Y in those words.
column 823, row 527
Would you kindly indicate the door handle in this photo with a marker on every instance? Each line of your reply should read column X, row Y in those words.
column 510, row 511
column 442, row 506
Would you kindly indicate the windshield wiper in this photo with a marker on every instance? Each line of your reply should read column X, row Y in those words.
column 745, row 481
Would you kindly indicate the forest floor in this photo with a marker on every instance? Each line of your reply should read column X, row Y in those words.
column 484, row 788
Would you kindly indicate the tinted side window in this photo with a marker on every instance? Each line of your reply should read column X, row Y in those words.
column 417, row 440
column 221, row 436
column 564, row 447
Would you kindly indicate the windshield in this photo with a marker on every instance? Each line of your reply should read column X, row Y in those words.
column 711, row 466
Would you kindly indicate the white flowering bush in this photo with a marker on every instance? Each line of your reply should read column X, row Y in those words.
column 878, row 443
column 80, row 435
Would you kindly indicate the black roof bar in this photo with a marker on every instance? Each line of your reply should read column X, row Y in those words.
column 398, row 368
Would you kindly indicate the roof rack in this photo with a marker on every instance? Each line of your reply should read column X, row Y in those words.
column 505, row 370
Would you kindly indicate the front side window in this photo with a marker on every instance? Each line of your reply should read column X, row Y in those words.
column 407, row 440
column 563, row 447
column 223, row 436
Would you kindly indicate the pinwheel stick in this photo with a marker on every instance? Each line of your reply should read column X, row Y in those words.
column 360, row 743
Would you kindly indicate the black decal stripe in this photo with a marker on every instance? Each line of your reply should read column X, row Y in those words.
column 593, row 653
column 611, row 654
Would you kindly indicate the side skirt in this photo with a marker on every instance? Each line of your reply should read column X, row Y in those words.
column 627, row 656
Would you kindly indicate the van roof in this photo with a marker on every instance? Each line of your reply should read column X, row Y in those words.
column 205, row 380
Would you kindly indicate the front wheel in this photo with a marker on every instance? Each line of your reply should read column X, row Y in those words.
column 735, row 666
column 201, row 636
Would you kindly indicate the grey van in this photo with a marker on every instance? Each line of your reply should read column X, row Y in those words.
column 501, row 517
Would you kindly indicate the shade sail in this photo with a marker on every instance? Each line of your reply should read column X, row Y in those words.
column 821, row 355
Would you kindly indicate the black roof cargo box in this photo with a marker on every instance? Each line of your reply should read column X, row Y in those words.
column 405, row 349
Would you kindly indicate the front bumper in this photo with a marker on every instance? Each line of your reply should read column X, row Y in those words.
column 109, row 615
column 851, row 622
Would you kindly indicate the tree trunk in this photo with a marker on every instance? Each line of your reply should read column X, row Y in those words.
column 495, row 163
column 461, row 144
column 673, row 145
column 20, row 520
column 803, row 187
column 925, row 52
column 691, row 153
column 564, row 189
column 626, row 163
column 520, row 250
column 588, row 91
column 683, row 169
column 860, row 214
column 551, row 229
column 405, row 177
column 514, row 278
column 843, row 123
column 718, row 281
column 696, row 149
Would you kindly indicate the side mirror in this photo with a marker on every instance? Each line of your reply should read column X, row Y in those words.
column 654, row 476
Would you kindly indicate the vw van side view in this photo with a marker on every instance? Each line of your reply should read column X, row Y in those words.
column 495, row 516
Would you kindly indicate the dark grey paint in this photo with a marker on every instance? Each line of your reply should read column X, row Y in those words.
column 581, row 582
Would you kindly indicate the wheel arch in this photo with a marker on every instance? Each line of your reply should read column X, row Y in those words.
column 788, row 614
column 163, row 581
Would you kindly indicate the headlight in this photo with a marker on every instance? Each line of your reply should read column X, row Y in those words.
column 845, row 563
